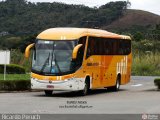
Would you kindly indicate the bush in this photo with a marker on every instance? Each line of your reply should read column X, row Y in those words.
column 146, row 64
column 17, row 57
column 12, row 69
column 157, row 82
column 138, row 36
column 11, row 85
column 143, row 69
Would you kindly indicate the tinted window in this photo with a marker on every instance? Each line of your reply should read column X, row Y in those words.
column 107, row 46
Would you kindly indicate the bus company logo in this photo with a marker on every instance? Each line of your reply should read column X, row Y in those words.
column 144, row 117
column 92, row 64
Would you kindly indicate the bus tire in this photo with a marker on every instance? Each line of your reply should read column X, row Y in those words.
column 117, row 86
column 86, row 88
column 48, row 92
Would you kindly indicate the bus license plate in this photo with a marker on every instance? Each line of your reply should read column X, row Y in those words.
column 50, row 86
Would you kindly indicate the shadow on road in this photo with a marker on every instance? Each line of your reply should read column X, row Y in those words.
column 77, row 94
column 151, row 90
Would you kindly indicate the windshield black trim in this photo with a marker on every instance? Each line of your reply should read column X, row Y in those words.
column 54, row 74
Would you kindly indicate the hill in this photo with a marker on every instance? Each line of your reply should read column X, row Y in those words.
column 21, row 17
column 133, row 20
column 21, row 21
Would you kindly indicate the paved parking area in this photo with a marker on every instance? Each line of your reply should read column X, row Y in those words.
column 138, row 97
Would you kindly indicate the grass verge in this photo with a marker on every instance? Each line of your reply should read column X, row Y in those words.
column 146, row 64
column 15, row 82
column 15, row 77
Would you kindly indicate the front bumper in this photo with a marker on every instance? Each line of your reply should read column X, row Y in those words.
column 73, row 84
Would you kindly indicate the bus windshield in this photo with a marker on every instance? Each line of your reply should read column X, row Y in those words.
column 53, row 57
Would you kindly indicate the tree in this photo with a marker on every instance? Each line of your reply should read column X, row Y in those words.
column 20, row 17
column 138, row 36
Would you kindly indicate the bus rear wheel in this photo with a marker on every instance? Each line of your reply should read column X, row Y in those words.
column 48, row 92
column 117, row 86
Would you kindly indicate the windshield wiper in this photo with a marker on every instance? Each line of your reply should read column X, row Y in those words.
column 57, row 63
column 45, row 63
column 55, row 60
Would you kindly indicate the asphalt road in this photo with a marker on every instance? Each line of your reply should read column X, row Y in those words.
column 138, row 97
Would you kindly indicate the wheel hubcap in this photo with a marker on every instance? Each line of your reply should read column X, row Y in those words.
column 118, row 84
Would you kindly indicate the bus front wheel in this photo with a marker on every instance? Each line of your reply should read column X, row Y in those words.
column 48, row 92
column 86, row 88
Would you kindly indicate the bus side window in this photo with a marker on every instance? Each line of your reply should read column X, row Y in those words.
column 124, row 47
column 90, row 49
column 120, row 50
column 128, row 47
column 110, row 46
column 106, row 49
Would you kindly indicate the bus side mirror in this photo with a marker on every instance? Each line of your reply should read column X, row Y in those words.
column 27, row 51
column 75, row 51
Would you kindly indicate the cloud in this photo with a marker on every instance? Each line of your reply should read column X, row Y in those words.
column 147, row 5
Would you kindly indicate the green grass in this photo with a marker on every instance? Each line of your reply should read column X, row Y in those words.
column 146, row 64
column 15, row 77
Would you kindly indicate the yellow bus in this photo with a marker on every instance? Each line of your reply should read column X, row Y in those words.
column 79, row 59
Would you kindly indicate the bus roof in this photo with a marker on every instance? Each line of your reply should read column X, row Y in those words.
column 75, row 33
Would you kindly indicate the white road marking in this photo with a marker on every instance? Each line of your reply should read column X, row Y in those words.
column 137, row 85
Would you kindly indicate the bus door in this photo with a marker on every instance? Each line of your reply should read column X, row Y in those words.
column 93, row 62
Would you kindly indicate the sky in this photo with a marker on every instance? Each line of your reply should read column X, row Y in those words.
column 147, row 5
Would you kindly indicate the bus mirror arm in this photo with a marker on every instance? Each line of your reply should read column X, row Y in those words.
column 27, row 50
column 75, row 51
